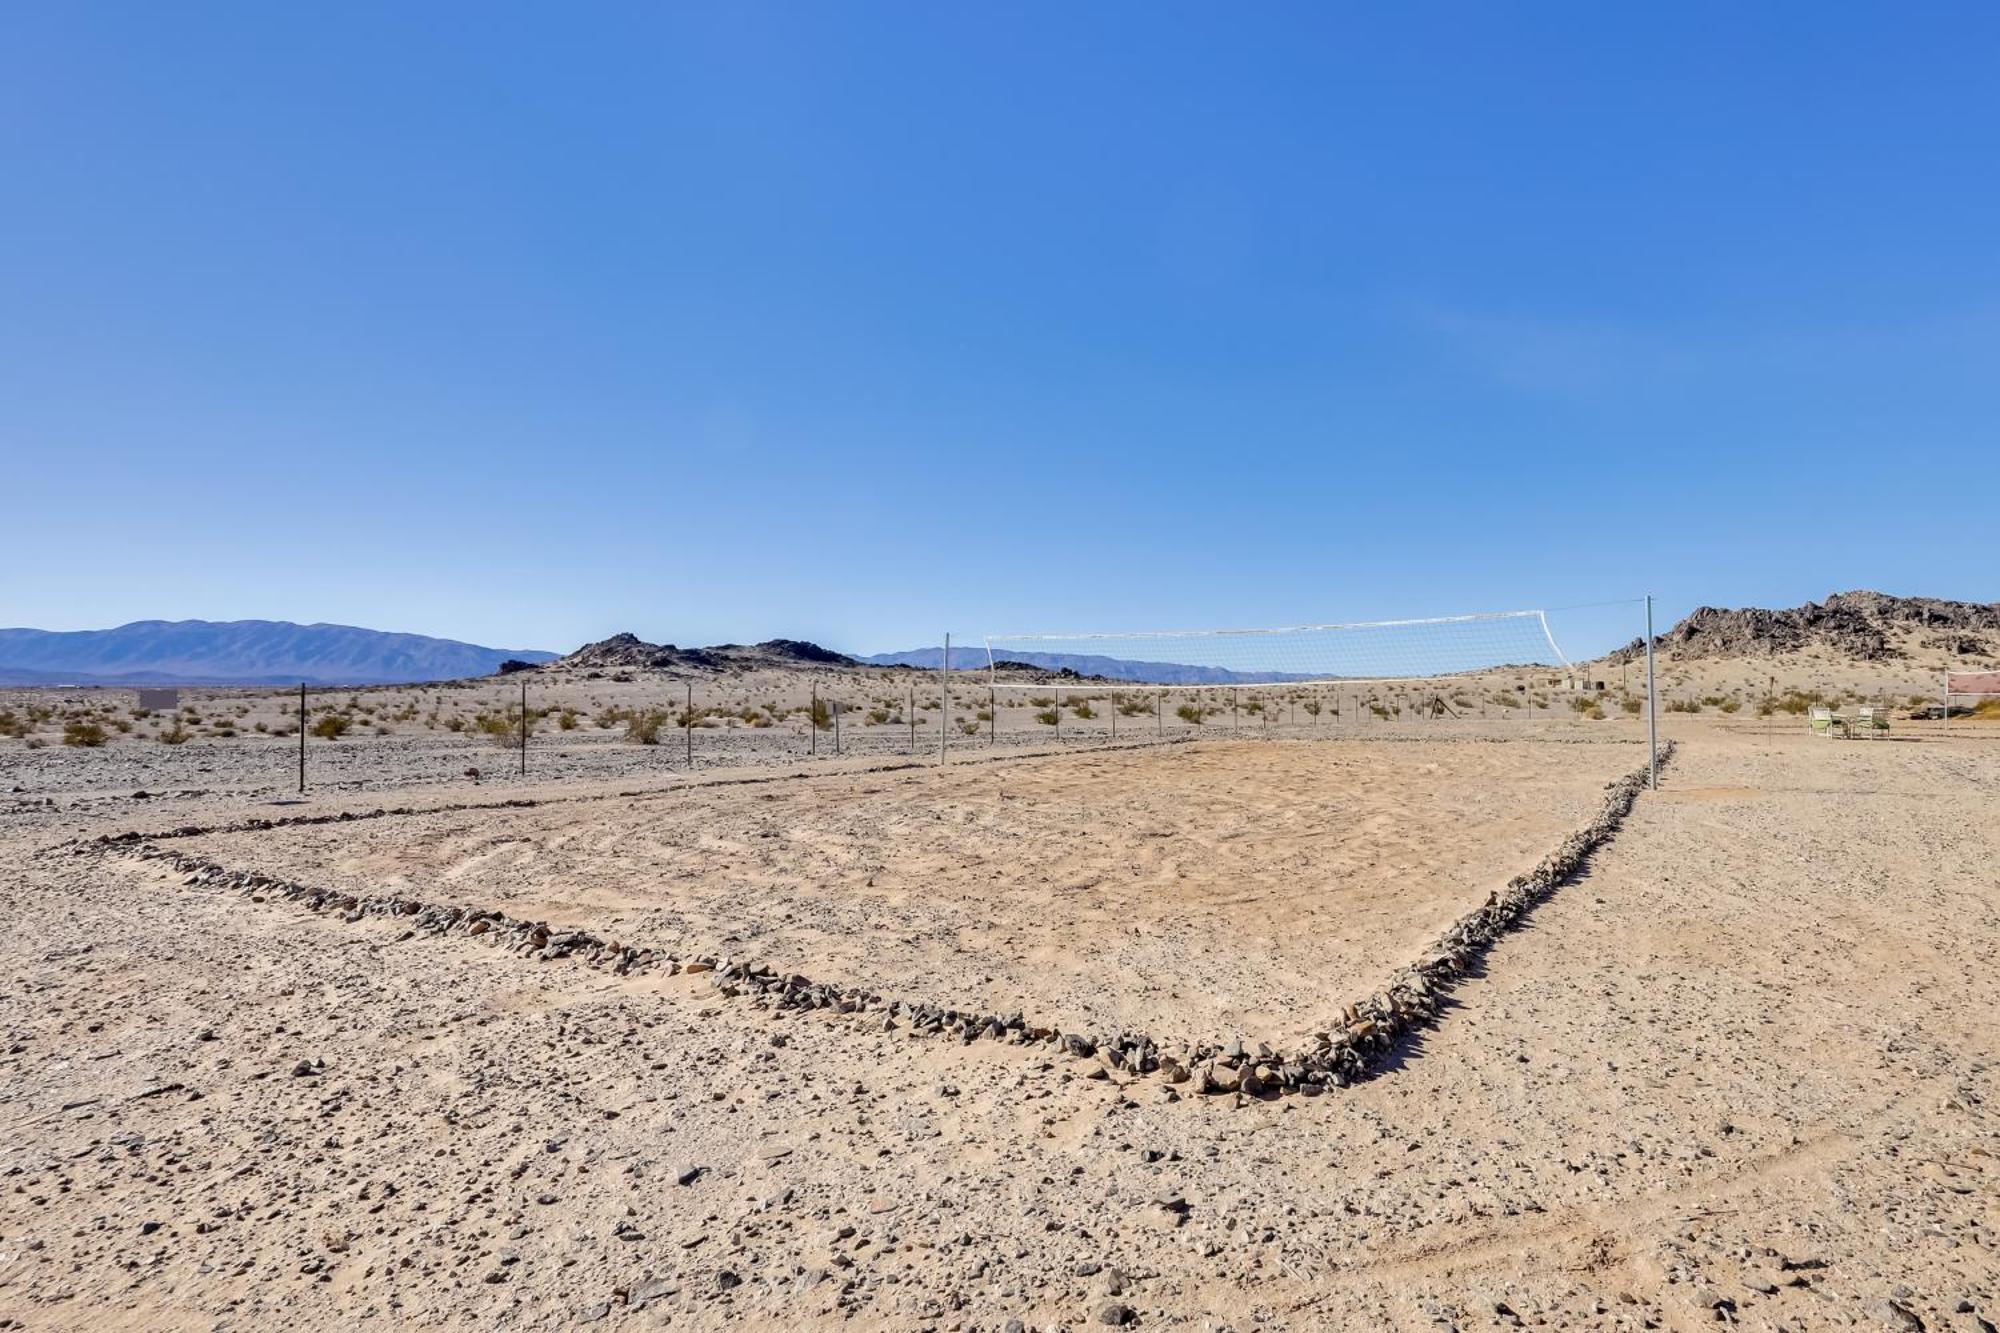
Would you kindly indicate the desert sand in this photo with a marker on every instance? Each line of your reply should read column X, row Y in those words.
column 1739, row 1069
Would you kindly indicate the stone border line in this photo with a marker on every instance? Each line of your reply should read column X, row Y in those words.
column 1372, row 1027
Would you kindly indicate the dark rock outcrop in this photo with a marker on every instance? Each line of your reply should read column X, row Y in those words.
column 1865, row 626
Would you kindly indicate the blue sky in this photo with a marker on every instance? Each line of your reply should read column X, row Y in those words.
column 860, row 322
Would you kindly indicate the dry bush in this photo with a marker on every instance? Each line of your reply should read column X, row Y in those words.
column 84, row 733
column 331, row 727
column 643, row 725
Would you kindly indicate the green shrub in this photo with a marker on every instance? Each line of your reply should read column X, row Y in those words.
column 1048, row 717
column 1190, row 714
column 331, row 727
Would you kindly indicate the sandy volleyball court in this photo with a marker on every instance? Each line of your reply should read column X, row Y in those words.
column 1211, row 890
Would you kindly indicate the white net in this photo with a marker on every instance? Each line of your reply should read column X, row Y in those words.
column 1382, row 650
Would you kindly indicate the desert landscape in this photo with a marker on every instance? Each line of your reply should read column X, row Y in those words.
column 1404, row 1013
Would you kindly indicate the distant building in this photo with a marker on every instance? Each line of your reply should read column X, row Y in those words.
column 154, row 700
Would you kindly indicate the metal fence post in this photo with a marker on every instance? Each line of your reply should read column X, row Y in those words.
column 302, row 736
column 1652, row 707
column 944, row 717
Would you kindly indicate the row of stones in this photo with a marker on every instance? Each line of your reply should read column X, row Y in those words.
column 1369, row 1030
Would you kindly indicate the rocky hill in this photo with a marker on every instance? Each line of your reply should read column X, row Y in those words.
column 1862, row 626
column 629, row 652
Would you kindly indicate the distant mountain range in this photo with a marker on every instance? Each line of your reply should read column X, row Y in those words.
column 1086, row 664
column 241, row 652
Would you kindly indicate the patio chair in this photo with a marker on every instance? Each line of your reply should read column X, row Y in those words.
column 1822, row 721
column 1874, row 721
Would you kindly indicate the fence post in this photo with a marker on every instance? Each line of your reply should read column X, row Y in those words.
column 1159, row 715
column 836, row 725
column 302, row 737
column 944, row 716
column 812, row 722
column 912, row 710
column 1652, row 707
column 524, row 728
column 1114, row 715
column 687, row 717
column 1059, row 712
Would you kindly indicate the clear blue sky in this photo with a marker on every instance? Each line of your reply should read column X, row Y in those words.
column 860, row 322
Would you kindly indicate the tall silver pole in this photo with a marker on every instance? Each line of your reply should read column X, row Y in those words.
column 1652, row 707
column 944, row 722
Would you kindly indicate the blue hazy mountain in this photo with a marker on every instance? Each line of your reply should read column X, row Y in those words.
column 241, row 652
column 1087, row 664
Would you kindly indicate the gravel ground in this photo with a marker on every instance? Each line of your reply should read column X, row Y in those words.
column 1740, row 1071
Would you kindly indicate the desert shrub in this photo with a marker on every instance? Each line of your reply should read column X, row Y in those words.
column 1083, row 709
column 177, row 734
column 878, row 717
column 1631, row 704
column 1730, row 705
column 984, row 715
column 13, row 724
column 1190, row 714
column 1683, row 705
column 1379, row 711
column 1595, row 713
column 822, row 716
column 1048, row 717
column 1313, row 707
column 331, row 727
column 1034, row 701
column 504, row 726
column 566, row 719
column 643, row 725
column 1583, row 703
column 968, row 727
column 84, row 733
